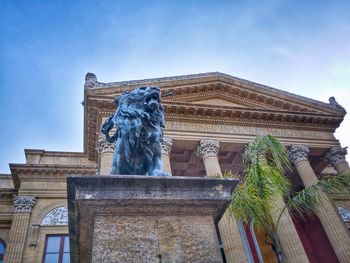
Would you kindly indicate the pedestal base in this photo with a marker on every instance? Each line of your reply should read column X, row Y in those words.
column 146, row 219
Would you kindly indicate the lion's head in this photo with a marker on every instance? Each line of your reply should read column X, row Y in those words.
column 142, row 103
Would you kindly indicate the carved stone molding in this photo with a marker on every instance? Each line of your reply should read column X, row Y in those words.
column 56, row 217
column 24, row 203
column 167, row 145
column 34, row 232
column 344, row 213
column 90, row 80
column 208, row 148
column 298, row 153
column 336, row 155
column 103, row 145
column 230, row 128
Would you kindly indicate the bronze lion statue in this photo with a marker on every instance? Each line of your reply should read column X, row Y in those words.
column 139, row 119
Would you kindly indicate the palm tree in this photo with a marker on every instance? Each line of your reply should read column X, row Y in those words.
column 265, row 161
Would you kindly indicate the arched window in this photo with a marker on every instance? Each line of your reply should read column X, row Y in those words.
column 2, row 250
column 56, row 217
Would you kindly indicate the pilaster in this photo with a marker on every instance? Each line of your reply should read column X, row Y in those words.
column 167, row 144
column 22, row 208
column 331, row 222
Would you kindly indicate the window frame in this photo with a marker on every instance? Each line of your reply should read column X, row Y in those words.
column 61, row 248
column 4, row 244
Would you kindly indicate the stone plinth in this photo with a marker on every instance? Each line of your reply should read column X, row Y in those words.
column 146, row 219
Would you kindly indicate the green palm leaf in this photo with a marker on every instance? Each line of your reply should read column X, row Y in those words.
column 265, row 160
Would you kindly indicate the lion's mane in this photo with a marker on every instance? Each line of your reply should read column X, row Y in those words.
column 139, row 119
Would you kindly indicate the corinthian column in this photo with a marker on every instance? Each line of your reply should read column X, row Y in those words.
column 331, row 222
column 106, row 151
column 23, row 206
column 292, row 247
column 208, row 150
column 229, row 231
column 167, row 144
column 336, row 156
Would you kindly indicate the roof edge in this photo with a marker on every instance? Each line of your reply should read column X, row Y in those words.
column 92, row 83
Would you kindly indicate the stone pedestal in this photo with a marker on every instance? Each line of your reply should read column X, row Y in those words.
column 146, row 219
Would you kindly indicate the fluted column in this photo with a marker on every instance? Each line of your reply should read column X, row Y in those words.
column 326, row 212
column 336, row 156
column 167, row 144
column 106, row 151
column 230, row 236
column 208, row 150
column 23, row 206
column 292, row 247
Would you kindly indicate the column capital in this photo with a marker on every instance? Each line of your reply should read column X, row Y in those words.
column 104, row 145
column 298, row 153
column 167, row 145
column 24, row 203
column 336, row 155
column 208, row 148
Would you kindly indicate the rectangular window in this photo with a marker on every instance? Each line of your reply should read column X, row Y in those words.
column 56, row 249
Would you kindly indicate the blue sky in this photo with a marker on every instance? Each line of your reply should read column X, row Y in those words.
column 46, row 48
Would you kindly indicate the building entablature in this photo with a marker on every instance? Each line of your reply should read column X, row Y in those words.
column 234, row 114
column 7, row 188
column 216, row 99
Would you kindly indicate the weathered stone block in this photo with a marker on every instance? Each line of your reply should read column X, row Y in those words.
column 146, row 219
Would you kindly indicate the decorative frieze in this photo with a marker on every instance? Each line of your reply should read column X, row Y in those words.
column 56, row 217
column 336, row 155
column 245, row 130
column 167, row 145
column 24, row 203
column 104, row 145
column 298, row 153
column 208, row 148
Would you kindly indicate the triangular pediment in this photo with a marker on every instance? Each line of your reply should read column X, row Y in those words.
column 216, row 97
column 221, row 89
column 218, row 102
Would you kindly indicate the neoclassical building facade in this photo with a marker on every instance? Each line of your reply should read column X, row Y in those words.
column 210, row 118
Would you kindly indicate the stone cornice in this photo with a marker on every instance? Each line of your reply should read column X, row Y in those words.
column 245, row 115
column 25, row 172
column 198, row 109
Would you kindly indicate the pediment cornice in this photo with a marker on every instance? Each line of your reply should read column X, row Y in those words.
column 187, row 85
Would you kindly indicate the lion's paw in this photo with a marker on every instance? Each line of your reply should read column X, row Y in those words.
column 160, row 173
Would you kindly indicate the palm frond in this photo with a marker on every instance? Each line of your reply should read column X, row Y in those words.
column 265, row 159
column 304, row 202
